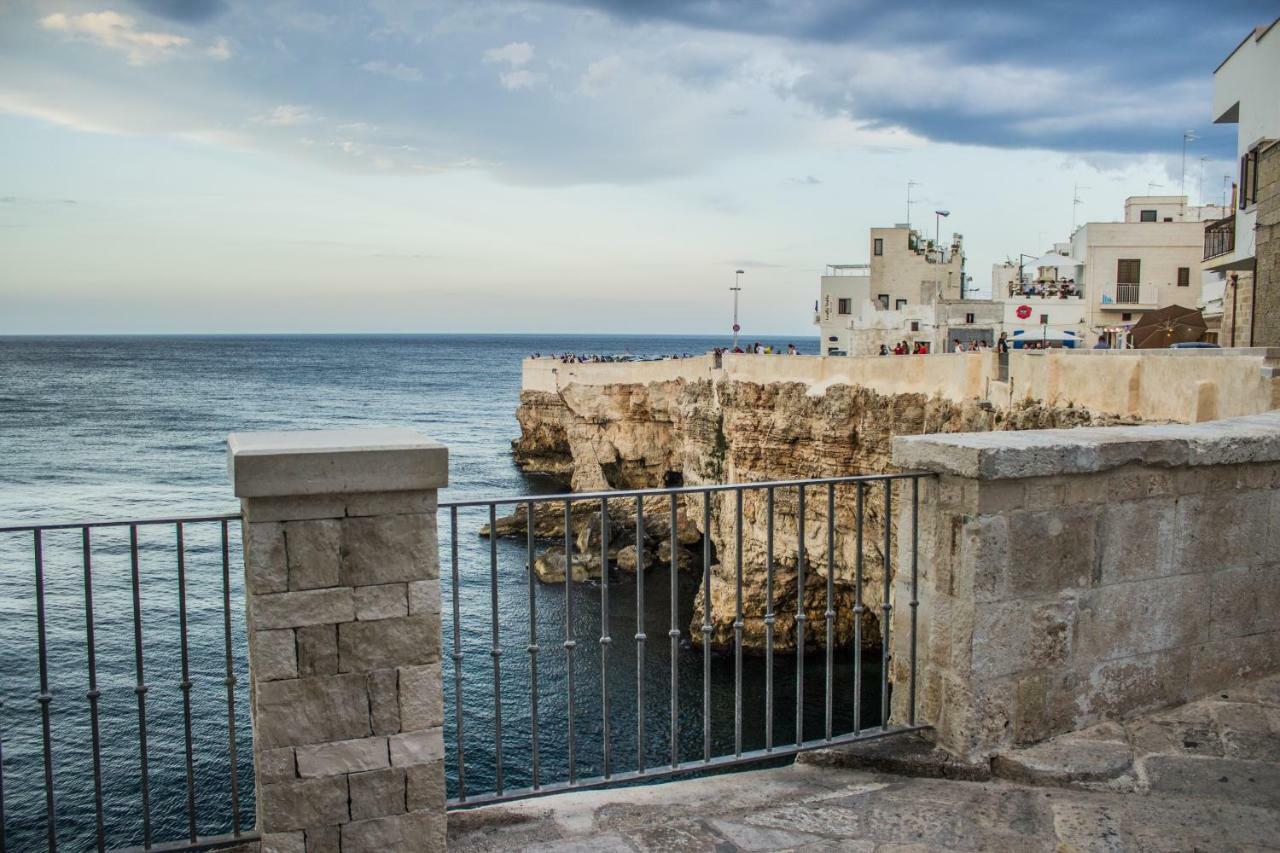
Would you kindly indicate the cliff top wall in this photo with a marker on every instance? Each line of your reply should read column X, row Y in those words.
column 1158, row 385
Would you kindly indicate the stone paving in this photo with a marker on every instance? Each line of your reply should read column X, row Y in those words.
column 1205, row 776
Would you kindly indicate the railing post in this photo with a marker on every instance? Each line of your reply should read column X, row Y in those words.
column 343, row 614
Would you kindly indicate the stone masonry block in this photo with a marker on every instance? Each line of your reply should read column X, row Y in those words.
column 1135, row 482
column 1223, row 530
column 421, row 697
column 304, row 802
column 422, row 747
column 384, row 601
column 377, row 793
column 265, row 564
column 1050, row 551
column 1225, row 663
column 323, row 839
column 985, row 549
column 314, row 552
column 295, row 609
column 275, row 765
column 388, row 549
column 311, row 710
column 419, row 831
column 283, row 842
column 273, row 654
column 1130, row 619
column 424, row 597
column 317, row 650
column 402, row 641
column 384, row 702
column 391, row 503
column 1136, row 540
column 424, row 787
column 348, row 756
column 1244, row 600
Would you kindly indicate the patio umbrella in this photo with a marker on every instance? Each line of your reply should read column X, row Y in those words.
column 1172, row 325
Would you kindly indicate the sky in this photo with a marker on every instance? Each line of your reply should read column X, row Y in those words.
column 600, row 166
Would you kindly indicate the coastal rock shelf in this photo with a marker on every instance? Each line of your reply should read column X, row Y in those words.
column 725, row 428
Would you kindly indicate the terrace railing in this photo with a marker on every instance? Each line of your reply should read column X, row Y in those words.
column 1219, row 237
column 661, row 719
column 142, row 752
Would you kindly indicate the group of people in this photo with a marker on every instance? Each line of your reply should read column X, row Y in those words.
column 577, row 358
column 761, row 349
column 1061, row 289
column 903, row 348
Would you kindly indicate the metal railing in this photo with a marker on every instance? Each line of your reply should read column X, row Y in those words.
column 669, row 732
column 1128, row 294
column 151, row 756
column 1219, row 237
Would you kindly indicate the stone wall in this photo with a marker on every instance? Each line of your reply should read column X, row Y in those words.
column 343, row 618
column 1237, row 309
column 1266, row 317
column 1070, row 577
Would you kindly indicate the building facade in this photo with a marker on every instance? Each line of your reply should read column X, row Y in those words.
column 844, row 290
column 1242, row 246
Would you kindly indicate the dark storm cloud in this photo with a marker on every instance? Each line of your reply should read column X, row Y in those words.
column 185, row 11
column 1142, row 49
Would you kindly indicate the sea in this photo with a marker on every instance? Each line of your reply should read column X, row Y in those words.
column 105, row 428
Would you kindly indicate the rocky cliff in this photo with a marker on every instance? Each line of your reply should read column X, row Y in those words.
column 692, row 432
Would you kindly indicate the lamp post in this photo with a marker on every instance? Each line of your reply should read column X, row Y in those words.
column 1187, row 136
column 937, row 227
column 737, row 288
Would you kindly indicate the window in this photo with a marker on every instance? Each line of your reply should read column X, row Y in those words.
column 1249, row 178
column 899, row 304
column 1128, row 271
column 1184, row 276
column 1168, row 219
column 844, row 306
column 915, row 325
column 1147, row 216
column 884, row 301
column 1125, row 316
column 877, row 246
column 1044, row 319
column 833, row 338
column 968, row 318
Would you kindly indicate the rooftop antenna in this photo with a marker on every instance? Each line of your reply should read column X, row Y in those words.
column 1076, row 201
column 1152, row 186
column 910, row 184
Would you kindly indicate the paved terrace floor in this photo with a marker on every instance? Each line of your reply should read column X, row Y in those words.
column 1205, row 776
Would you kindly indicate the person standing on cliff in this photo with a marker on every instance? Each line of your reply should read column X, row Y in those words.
column 1003, row 344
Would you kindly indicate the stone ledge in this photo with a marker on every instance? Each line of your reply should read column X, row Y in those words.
column 332, row 462
column 1087, row 450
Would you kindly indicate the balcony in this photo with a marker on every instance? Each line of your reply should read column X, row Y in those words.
column 1220, row 237
column 1127, row 297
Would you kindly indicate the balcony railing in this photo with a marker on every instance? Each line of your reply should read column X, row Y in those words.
column 1220, row 237
column 1128, row 294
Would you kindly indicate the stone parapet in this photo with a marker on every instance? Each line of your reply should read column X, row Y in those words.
column 1069, row 577
column 343, row 617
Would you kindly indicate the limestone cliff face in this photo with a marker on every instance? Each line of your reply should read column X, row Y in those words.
column 596, row 437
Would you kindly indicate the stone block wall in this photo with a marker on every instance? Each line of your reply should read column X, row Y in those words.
column 1073, row 576
column 1266, row 316
column 343, row 599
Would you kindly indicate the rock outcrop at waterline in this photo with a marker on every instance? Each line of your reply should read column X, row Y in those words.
column 707, row 431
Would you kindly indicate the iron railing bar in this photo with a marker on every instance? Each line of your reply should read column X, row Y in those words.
column 613, row 494
column 857, row 613
column 737, row 624
column 706, row 626
column 569, row 643
column 208, row 842
column 30, row 526
column 914, row 603
column 140, row 687
column 830, row 614
column 94, row 693
column 495, row 651
column 886, row 606
column 45, row 697
column 3, row 846
column 533, row 650
column 800, row 616
column 605, row 639
column 674, row 634
column 192, row 834
column 693, row 766
column 768, row 622
column 457, row 653
column 231, row 679
column 640, row 636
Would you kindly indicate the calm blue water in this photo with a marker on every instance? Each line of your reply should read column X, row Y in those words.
column 99, row 428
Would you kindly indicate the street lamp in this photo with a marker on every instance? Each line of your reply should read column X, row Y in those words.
column 737, row 288
column 937, row 227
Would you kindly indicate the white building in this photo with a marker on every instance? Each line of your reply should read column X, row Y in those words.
column 844, row 290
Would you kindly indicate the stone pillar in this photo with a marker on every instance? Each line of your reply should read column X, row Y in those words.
column 342, row 594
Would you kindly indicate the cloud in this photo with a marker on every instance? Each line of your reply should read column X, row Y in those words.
column 398, row 70
column 599, row 74
column 806, row 181
column 286, row 115
column 187, row 11
column 220, row 49
column 117, row 32
column 515, row 54
column 520, row 79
